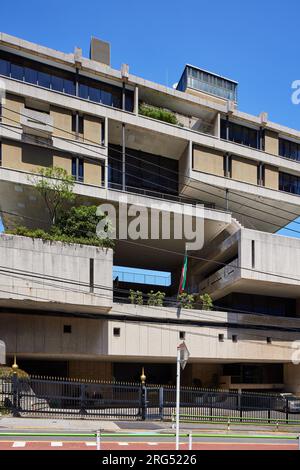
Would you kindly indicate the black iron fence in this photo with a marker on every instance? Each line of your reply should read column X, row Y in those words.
column 36, row 396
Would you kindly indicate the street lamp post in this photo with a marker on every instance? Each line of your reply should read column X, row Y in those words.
column 143, row 394
column 182, row 358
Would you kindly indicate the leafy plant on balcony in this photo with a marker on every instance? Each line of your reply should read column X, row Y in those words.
column 156, row 299
column 186, row 300
column 55, row 186
column 158, row 113
column 206, row 300
column 136, row 297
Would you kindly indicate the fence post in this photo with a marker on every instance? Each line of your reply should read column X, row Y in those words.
column 161, row 403
column 82, row 400
column 98, row 439
column 287, row 411
column 190, row 441
column 144, row 402
column 15, row 395
column 240, row 408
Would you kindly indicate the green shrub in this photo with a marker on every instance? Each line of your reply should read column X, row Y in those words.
column 206, row 301
column 158, row 113
column 136, row 297
column 186, row 300
column 156, row 299
column 56, row 236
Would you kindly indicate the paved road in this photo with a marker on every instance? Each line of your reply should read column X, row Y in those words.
column 150, row 443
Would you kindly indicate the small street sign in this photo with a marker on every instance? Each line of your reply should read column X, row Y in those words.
column 184, row 354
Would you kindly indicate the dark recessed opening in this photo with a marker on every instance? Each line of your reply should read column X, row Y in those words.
column 68, row 329
column 234, row 338
column 182, row 335
column 221, row 338
column 117, row 331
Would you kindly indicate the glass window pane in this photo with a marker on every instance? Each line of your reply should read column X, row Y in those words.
column 69, row 87
column 31, row 75
column 95, row 94
column 17, row 72
column 106, row 98
column 4, row 67
column 83, row 91
column 44, row 79
column 80, row 169
column 57, row 83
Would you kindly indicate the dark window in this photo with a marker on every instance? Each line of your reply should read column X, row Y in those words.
column 269, row 340
column 83, row 91
column 253, row 253
column 182, row 335
column 31, row 75
column 91, row 274
column 251, row 303
column 117, row 332
column 46, row 76
column 221, row 338
column 67, row 329
column 4, row 67
column 234, row 338
column 289, row 149
column 289, row 183
column 78, row 169
column 0, row 153
column 44, row 79
column 77, row 123
column 95, row 94
column 17, row 72
column 240, row 134
column 57, row 83
column 69, row 87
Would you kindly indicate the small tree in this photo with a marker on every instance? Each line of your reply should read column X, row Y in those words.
column 136, row 297
column 207, row 302
column 55, row 186
column 156, row 299
column 186, row 300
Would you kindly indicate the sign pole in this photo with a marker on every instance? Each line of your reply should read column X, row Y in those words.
column 177, row 398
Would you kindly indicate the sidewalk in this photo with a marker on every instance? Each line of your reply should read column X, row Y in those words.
column 84, row 425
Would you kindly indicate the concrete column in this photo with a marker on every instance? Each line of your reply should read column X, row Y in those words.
column 136, row 100
column 217, row 126
column 292, row 377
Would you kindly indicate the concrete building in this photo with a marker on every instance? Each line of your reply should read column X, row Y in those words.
column 105, row 127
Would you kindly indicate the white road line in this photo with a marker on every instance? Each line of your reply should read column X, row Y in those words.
column 19, row 444
column 90, row 444
column 123, row 444
column 152, row 443
column 56, row 444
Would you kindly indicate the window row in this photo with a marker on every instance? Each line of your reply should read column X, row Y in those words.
column 289, row 183
column 55, row 79
column 240, row 134
column 143, row 171
column 289, row 149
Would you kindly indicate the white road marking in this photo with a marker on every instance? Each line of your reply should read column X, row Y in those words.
column 56, row 444
column 123, row 444
column 19, row 444
column 90, row 444
column 152, row 443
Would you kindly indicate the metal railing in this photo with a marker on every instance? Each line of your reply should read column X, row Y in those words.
column 42, row 396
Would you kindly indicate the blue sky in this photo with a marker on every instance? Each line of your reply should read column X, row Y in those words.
column 254, row 42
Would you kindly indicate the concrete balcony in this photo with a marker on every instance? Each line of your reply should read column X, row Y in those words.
column 54, row 276
column 36, row 123
column 224, row 276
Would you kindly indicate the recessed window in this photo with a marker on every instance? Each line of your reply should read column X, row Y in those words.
column 67, row 329
column 269, row 340
column 234, row 338
column 182, row 335
column 221, row 338
column 117, row 332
